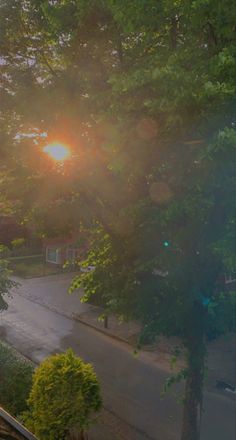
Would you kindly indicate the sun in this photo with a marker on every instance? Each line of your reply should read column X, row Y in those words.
column 57, row 151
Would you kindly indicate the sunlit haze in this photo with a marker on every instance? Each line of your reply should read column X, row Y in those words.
column 57, row 151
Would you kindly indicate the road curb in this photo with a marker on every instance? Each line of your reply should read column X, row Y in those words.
column 82, row 321
column 100, row 330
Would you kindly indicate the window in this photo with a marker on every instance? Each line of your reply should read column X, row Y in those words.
column 53, row 255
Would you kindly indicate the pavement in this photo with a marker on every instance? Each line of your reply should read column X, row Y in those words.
column 41, row 320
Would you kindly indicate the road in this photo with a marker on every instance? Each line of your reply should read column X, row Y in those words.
column 131, row 386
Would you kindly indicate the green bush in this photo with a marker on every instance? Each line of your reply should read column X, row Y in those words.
column 64, row 395
column 18, row 243
column 15, row 380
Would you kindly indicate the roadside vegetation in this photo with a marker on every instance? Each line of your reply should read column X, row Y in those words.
column 64, row 398
column 6, row 283
column 58, row 399
column 15, row 380
column 32, row 267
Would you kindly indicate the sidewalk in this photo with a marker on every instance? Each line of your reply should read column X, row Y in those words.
column 52, row 292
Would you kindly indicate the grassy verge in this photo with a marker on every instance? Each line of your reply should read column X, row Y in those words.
column 15, row 380
column 32, row 267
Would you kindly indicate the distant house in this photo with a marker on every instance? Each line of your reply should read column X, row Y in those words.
column 58, row 250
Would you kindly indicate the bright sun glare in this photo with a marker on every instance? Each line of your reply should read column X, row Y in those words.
column 57, row 151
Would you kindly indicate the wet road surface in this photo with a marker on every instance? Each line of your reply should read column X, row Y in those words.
column 131, row 386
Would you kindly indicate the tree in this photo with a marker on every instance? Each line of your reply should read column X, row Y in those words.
column 64, row 395
column 147, row 95
column 169, row 271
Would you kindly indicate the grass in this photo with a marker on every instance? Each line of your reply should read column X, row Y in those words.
column 32, row 267
column 16, row 380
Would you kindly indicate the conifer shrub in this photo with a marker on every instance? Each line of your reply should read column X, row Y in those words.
column 65, row 395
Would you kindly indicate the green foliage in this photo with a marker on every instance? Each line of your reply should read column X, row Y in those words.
column 6, row 283
column 32, row 267
column 222, row 313
column 64, row 396
column 111, row 283
column 18, row 242
column 174, row 379
column 16, row 380
column 144, row 93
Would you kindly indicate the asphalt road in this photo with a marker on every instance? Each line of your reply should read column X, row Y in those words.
column 131, row 385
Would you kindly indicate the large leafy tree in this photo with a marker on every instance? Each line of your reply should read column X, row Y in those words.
column 144, row 93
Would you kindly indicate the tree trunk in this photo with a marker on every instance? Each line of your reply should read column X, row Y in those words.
column 195, row 374
column 192, row 405
column 76, row 434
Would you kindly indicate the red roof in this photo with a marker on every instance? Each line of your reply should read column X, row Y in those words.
column 57, row 241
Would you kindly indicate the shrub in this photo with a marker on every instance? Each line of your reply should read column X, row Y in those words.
column 18, row 243
column 15, row 380
column 64, row 395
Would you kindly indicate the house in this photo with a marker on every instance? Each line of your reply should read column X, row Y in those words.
column 59, row 251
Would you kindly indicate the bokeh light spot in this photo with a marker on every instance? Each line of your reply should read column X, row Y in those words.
column 166, row 243
column 57, row 151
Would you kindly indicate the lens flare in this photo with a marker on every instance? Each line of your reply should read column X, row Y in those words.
column 57, row 151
